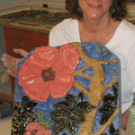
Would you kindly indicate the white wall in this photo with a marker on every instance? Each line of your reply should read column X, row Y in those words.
column 2, row 47
column 3, row 2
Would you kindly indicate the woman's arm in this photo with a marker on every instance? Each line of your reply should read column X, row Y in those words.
column 123, row 132
column 11, row 62
column 124, row 119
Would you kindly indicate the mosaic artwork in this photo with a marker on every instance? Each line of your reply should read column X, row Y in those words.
column 71, row 89
column 35, row 18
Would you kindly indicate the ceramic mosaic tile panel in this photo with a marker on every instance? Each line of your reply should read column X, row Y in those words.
column 71, row 89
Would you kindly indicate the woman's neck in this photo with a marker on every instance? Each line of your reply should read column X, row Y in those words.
column 100, row 25
column 97, row 30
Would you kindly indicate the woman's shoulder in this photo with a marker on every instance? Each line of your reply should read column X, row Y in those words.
column 64, row 32
column 66, row 24
column 128, row 27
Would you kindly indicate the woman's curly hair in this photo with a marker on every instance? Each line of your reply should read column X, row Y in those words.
column 117, row 9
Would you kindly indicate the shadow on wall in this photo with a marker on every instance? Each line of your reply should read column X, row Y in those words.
column 5, row 86
column 2, row 46
column 5, row 80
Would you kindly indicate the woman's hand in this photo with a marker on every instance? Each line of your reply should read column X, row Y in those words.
column 123, row 132
column 124, row 119
column 11, row 62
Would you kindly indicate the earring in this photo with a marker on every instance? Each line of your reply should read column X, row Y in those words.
column 112, row 10
column 79, row 9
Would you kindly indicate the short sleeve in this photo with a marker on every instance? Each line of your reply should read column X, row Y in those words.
column 53, row 38
column 131, row 67
column 65, row 32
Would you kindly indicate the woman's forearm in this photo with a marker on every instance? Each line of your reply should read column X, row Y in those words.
column 124, row 119
column 122, row 132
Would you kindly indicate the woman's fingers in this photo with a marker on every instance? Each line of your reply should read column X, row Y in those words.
column 21, row 52
column 9, row 61
column 13, row 74
column 11, row 64
column 123, row 132
column 12, row 67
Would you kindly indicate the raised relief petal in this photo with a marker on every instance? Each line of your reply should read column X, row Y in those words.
column 61, row 86
column 36, row 89
column 25, row 73
column 42, row 58
column 67, row 60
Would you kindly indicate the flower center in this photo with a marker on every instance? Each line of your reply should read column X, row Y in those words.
column 48, row 74
column 34, row 132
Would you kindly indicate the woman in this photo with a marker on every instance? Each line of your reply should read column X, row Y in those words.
column 97, row 21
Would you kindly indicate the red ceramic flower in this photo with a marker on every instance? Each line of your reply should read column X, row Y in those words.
column 34, row 128
column 49, row 71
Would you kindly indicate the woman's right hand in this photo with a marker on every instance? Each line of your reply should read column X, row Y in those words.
column 11, row 62
column 123, row 132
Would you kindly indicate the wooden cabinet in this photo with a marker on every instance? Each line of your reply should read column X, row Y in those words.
column 25, row 39
column 41, row 38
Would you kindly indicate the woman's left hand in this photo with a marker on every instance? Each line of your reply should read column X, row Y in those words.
column 124, row 119
column 123, row 132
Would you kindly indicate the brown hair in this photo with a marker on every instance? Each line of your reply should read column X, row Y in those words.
column 117, row 9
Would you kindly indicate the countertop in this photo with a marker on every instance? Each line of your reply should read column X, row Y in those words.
column 39, row 28
column 5, row 126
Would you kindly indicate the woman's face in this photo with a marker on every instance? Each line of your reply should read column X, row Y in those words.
column 95, row 8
